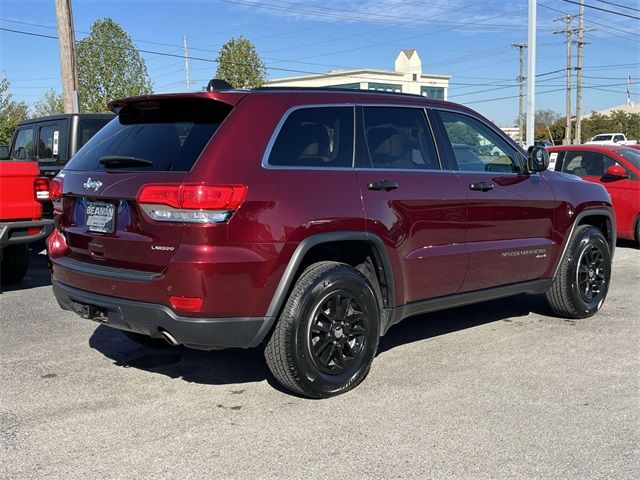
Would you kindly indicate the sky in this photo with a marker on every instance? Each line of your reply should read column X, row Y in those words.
column 467, row 39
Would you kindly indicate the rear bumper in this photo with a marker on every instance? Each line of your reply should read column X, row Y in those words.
column 15, row 233
column 150, row 319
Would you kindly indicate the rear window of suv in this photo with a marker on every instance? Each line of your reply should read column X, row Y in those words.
column 153, row 135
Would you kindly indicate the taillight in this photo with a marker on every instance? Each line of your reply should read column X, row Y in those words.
column 191, row 203
column 55, row 193
column 41, row 188
column 191, row 304
column 57, row 245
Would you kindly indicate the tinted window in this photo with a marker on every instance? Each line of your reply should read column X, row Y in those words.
column 170, row 134
column 477, row 148
column 87, row 128
column 601, row 138
column 399, row 138
column 587, row 164
column 48, row 138
column 618, row 138
column 23, row 146
column 315, row 137
column 630, row 154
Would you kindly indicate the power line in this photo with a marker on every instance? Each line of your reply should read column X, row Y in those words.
column 606, row 27
column 605, row 10
column 618, row 5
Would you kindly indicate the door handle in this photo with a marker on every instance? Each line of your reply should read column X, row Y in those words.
column 382, row 185
column 481, row 186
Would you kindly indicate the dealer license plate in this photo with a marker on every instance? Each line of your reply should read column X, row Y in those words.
column 100, row 217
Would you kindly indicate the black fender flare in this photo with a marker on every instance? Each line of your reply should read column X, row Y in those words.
column 288, row 277
column 589, row 212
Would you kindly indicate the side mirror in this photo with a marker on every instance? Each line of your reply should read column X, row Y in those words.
column 537, row 159
column 4, row 152
column 617, row 171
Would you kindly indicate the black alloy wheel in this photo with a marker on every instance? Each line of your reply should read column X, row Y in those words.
column 591, row 274
column 582, row 281
column 328, row 332
column 337, row 332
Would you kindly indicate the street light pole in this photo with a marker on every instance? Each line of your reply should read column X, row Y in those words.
column 531, row 74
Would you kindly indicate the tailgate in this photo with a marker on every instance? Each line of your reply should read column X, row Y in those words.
column 152, row 141
column 17, row 197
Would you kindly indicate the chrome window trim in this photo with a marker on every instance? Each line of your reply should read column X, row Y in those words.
column 285, row 117
column 267, row 152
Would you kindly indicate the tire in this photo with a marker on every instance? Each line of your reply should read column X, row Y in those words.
column 146, row 340
column 582, row 282
column 327, row 335
column 638, row 230
column 15, row 261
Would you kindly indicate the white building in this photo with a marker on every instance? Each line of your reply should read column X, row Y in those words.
column 633, row 108
column 406, row 78
column 513, row 132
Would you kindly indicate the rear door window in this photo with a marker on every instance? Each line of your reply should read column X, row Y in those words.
column 23, row 145
column 316, row 137
column 157, row 135
column 399, row 139
column 48, row 142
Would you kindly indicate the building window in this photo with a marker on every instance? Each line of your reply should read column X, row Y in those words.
column 350, row 86
column 436, row 93
column 385, row 87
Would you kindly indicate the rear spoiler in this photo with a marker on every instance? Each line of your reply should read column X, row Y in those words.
column 230, row 97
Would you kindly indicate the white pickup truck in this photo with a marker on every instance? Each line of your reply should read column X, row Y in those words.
column 611, row 139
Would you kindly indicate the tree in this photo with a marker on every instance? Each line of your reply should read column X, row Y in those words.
column 11, row 112
column 616, row 121
column 240, row 65
column 50, row 104
column 546, row 120
column 109, row 67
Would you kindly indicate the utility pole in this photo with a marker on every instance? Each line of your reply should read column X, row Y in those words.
column 67, row 45
column 186, row 64
column 521, row 77
column 580, row 43
column 531, row 74
column 568, row 32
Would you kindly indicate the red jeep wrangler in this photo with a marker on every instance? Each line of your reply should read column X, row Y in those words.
column 312, row 221
column 21, row 223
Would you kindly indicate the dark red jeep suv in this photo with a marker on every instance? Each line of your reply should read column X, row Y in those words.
column 311, row 221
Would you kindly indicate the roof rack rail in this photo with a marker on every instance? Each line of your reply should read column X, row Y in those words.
column 338, row 89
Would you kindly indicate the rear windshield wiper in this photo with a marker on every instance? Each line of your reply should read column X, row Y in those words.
column 121, row 161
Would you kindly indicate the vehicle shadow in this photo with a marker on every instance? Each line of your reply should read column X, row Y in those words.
column 233, row 366
column 38, row 274
column 216, row 367
column 430, row 325
column 627, row 244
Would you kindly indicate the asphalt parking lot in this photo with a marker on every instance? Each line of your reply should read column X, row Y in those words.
column 495, row 390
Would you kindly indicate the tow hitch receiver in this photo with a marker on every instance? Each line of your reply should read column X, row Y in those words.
column 90, row 312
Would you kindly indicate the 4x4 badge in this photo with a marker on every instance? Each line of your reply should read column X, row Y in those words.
column 92, row 184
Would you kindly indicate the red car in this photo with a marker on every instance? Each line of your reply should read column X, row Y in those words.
column 617, row 168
